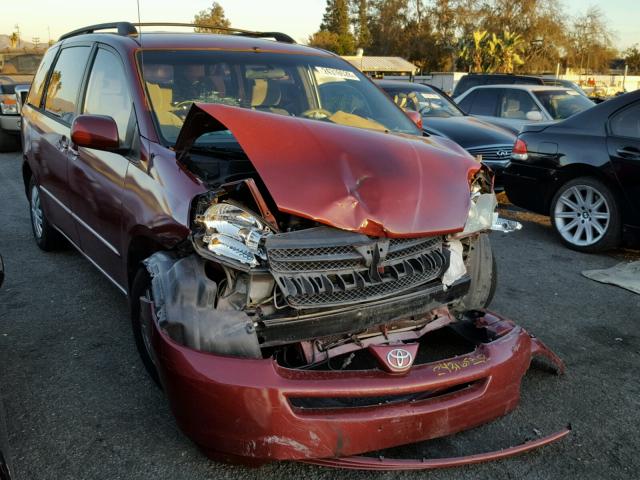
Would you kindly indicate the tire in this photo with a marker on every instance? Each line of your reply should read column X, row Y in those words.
column 8, row 142
column 482, row 268
column 142, row 287
column 585, row 215
column 46, row 237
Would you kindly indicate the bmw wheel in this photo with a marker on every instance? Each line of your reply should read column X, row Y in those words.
column 585, row 214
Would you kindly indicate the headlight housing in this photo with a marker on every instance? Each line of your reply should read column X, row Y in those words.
column 234, row 233
column 8, row 104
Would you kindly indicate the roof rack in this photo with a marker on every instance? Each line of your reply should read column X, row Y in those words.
column 123, row 28
column 127, row 28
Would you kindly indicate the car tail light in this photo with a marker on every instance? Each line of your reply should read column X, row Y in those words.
column 519, row 151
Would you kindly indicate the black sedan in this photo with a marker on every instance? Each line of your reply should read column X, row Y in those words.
column 442, row 117
column 583, row 172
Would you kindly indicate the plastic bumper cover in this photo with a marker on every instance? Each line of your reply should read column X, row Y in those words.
column 240, row 410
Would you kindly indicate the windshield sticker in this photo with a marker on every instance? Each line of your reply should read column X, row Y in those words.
column 337, row 73
column 571, row 92
column 431, row 96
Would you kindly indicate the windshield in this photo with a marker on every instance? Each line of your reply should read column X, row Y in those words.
column 308, row 86
column 427, row 101
column 563, row 104
column 19, row 63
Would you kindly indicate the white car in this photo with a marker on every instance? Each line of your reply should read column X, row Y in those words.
column 513, row 106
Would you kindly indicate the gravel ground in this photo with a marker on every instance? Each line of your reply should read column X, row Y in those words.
column 80, row 406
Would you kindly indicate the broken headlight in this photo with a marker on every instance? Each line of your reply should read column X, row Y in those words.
column 234, row 233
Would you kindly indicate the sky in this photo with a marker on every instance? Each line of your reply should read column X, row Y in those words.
column 298, row 18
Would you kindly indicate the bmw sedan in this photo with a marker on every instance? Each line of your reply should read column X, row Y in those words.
column 584, row 173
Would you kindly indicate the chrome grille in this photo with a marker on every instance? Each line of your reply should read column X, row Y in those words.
column 339, row 274
column 493, row 153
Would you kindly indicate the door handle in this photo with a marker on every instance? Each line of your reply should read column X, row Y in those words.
column 629, row 152
column 63, row 143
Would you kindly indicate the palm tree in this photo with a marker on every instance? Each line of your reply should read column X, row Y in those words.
column 511, row 45
column 473, row 51
column 14, row 39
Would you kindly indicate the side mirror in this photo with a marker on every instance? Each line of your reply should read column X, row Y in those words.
column 95, row 131
column 1, row 271
column 534, row 116
column 415, row 117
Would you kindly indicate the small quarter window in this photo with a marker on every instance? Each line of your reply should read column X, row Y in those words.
column 627, row 122
column 64, row 82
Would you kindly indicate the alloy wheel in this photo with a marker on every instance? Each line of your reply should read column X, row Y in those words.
column 37, row 216
column 582, row 215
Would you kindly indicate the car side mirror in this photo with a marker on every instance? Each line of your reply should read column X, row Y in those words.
column 95, row 131
column 1, row 271
column 534, row 116
column 415, row 117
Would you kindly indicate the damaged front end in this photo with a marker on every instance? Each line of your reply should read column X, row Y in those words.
column 298, row 328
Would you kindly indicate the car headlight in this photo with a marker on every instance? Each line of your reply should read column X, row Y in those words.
column 8, row 105
column 234, row 233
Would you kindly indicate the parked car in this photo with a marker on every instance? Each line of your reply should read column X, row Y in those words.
column 16, row 73
column 5, row 473
column 584, row 173
column 285, row 237
column 442, row 117
column 557, row 82
column 481, row 79
column 513, row 106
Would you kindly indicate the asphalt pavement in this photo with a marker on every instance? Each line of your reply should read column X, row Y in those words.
column 80, row 406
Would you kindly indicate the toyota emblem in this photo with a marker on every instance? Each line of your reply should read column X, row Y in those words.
column 399, row 359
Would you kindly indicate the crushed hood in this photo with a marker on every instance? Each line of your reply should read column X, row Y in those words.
column 374, row 183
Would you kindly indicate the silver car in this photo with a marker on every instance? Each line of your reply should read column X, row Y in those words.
column 513, row 106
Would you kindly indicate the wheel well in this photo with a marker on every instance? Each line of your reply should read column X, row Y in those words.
column 26, row 176
column 139, row 249
column 580, row 170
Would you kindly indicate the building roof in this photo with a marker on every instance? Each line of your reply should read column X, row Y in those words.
column 381, row 64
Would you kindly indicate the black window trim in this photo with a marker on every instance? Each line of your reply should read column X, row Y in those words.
column 43, row 102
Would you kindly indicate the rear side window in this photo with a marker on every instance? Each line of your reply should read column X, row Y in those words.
column 485, row 102
column 516, row 104
column 627, row 122
column 108, row 93
column 64, row 82
column 37, row 86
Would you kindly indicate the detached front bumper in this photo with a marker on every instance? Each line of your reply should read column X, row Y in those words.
column 243, row 409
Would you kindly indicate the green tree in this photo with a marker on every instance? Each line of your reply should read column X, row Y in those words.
column 336, row 21
column 474, row 51
column 361, row 23
column 213, row 17
column 14, row 39
column 326, row 40
column 632, row 58
column 509, row 47
column 591, row 47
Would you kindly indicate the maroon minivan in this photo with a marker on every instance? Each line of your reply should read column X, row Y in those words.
column 288, row 240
